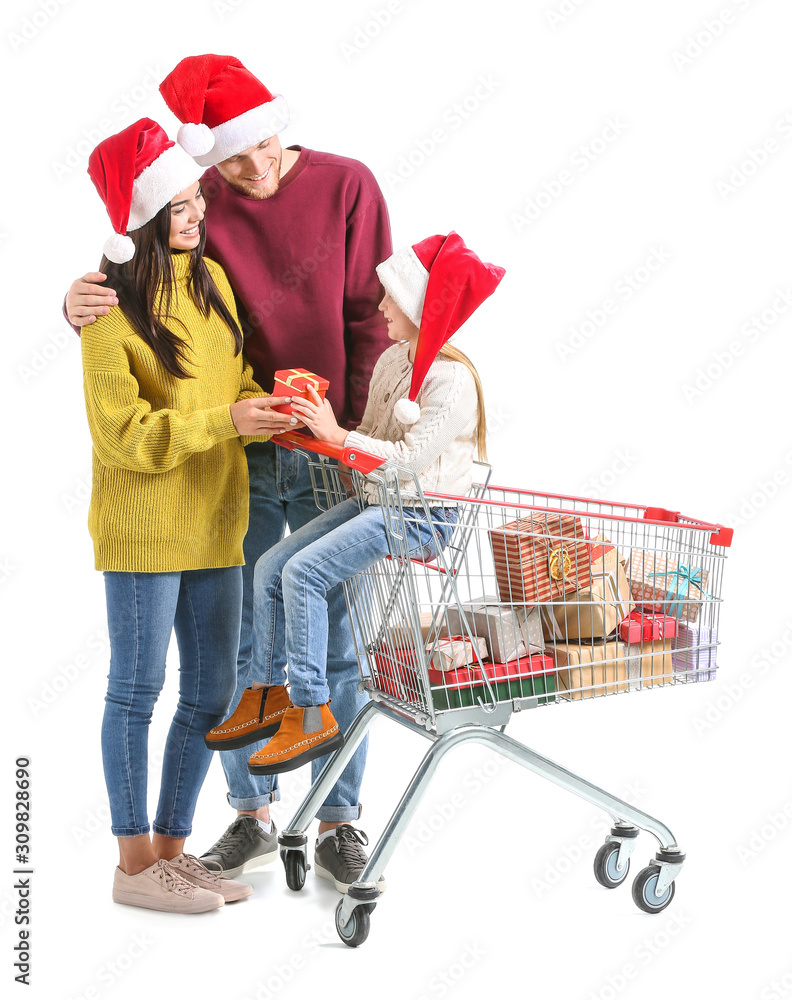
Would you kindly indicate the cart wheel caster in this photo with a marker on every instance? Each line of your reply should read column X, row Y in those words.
column 357, row 927
column 605, row 870
column 644, row 891
column 294, row 863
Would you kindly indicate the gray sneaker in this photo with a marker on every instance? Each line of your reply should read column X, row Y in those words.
column 340, row 858
column 242, row 847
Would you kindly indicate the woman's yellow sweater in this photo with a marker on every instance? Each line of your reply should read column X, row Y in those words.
column 170, row 484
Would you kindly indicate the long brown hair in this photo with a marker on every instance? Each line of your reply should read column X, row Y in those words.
column 146, row 287
column 452, row 353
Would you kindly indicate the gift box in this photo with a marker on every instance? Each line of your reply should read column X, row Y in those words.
column 584, row 670
column 507, row 631
column 650, row 664
column 456, row 651
column 526, row 677
column 395, row 673
column 694, row 652
column 294, row 382
column 400, row 636
column 642, row 626
column 659, row 584
column 595, row 611
column 540, row 558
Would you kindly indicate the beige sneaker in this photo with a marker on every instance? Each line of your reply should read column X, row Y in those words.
column 189, row 867
column 161, row 887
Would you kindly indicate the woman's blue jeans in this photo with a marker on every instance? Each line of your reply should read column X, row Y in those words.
column 292, row 580
column 204, row 609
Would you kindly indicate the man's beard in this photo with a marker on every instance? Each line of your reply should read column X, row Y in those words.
column 252, row 189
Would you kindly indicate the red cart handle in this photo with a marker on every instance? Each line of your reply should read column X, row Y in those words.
column 353, row 457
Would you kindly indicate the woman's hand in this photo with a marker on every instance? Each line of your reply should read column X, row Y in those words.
column 256, row 416
column 317, row 415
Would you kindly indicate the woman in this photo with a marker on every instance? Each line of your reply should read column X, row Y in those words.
column 168, row 395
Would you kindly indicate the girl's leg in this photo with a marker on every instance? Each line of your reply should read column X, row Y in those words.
column 140, row 612
column 352, row 546
column 269, row 624
column 207, row 622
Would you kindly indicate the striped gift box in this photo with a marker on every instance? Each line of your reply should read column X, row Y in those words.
column 540, row 558
column 694, row 652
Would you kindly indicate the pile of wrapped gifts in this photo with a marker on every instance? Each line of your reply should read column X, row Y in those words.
column 573, row 615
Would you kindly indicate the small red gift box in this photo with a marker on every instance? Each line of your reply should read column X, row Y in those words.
column 294, row 382
column 643, row 626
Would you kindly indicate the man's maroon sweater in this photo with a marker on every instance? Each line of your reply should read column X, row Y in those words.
column 301, row 264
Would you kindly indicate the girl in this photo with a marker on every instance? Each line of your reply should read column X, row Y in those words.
column 167, row 394
column 425, row 413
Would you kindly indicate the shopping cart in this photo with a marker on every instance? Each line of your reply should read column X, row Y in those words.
column 537, row 599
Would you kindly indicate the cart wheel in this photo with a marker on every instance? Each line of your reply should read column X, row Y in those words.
column 644, row 891
column 294, row 863
column 605, row 870
column 357, row 927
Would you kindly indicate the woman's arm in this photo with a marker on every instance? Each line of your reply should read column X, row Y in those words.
column 126, row 432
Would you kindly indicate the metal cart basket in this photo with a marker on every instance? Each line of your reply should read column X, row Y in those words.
column 537, row 599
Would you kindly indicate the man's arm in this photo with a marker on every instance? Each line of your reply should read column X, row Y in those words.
column 87, row 299
column 368, row 244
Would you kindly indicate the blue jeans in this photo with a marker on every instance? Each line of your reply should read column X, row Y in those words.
column 281, row 494
column 292, row 581
column 203, row 607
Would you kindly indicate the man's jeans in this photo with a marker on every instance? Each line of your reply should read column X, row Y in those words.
column 281, row 494
column 143, row 609
column 291, row 623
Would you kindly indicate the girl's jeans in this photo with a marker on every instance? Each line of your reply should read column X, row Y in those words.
column 292, row 580
column 204, row 608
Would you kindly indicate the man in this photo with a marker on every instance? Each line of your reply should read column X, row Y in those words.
column 299, row 234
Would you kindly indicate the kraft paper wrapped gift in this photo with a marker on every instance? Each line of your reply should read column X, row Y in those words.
column 650, row 664
column 295, row 382
column 540, row 558
column 594, row 611
column 662, row 585
column 399, row 636
column 695, row 651
column 456, row 651
column 599, row 667
column 586, row 670
column 510, row 632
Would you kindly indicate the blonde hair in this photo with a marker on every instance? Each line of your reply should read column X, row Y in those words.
column 452, row 353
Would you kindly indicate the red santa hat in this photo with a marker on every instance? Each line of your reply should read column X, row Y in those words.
column 137, row 172
column 438, row 284
column 225, row 109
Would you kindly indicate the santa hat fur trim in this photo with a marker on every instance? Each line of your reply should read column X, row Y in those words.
column 405, row 278
column 172, row 172
column 246, row 130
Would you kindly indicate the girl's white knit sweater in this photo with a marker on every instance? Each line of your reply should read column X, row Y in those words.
column 439, row 447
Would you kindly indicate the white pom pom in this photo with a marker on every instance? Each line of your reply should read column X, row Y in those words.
column 194, row 139
column 406, row 411
column 119, row 249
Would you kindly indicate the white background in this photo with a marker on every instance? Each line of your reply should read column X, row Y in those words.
column 610, row 418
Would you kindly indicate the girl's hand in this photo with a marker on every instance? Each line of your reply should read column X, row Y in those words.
column 256, row 416
column 317, row 415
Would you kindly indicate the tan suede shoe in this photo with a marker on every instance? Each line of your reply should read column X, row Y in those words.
column 304, row 734
column 189, row 867
column 161, row 887
column 256, row 717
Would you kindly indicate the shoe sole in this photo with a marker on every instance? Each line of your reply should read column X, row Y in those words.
column 341, row 886
column 237, row 742
column 320, row 750
column 150, row 903
column 260, row 861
